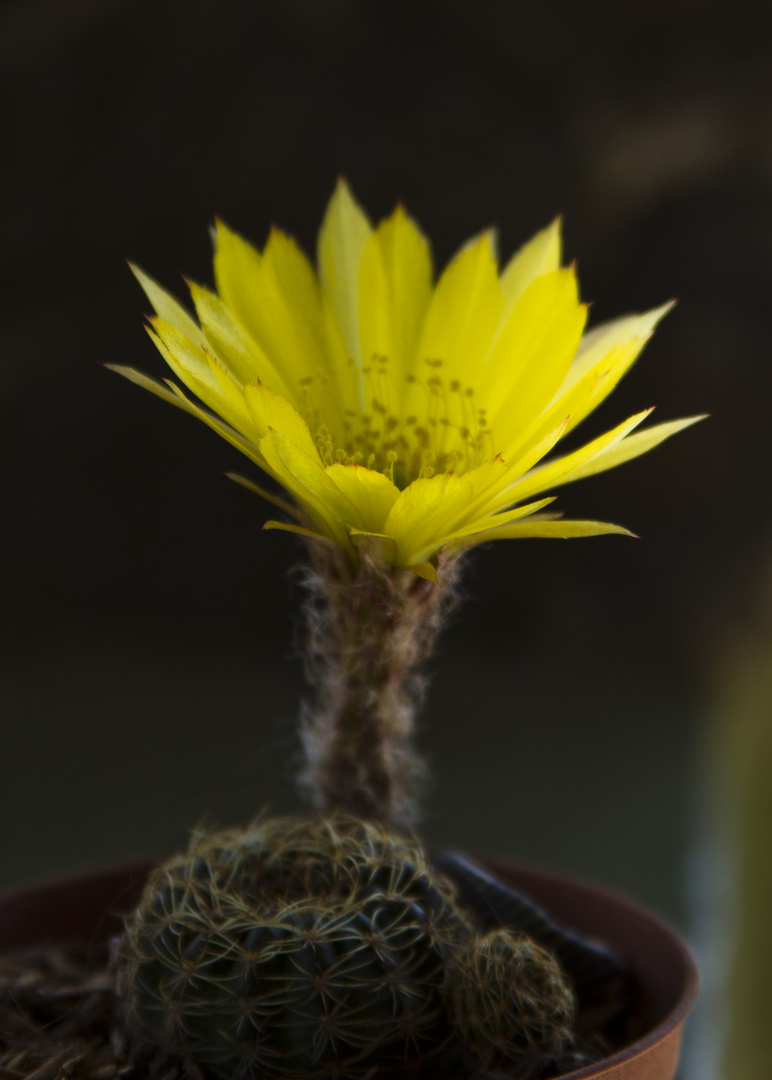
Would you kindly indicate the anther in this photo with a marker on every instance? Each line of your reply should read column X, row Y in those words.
column 391, row 457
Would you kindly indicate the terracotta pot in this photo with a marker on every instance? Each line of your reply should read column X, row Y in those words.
column 91, row 905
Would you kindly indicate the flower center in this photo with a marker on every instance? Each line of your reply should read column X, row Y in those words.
column 409, row 426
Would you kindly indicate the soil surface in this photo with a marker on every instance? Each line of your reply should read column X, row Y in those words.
column 58, row 1019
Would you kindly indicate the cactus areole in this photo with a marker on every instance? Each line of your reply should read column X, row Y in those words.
column 406, row 422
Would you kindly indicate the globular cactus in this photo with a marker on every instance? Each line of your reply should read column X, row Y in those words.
column 311, row 949
column 295, row 949
column 511, row 1003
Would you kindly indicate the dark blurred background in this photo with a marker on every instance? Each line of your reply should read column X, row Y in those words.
column 149, row 674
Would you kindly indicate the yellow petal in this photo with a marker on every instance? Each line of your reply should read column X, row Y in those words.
column 573, row 466
column 233, row 391
column 237, row 349
column 153, row 385
column 236, row 273
column 301, row 530
column 424, row 570
column 191, row 364
column 296, row 335
column 371, row 492
column 167, row 307
column 250, row 485
column 604, row 339
column 571, row 406
column 493, row 498
column 280, row 304
column 554, row 530
column 478, row 487
column 307, row 481
column 342, row 239
column 541, row 255
column 462, row 316
column 631, row 447
column 175, row 396
column 395, row 285
column 270, row 411
column 532, row 355
column 479, row 526
column 288, row 315
column 423, row 512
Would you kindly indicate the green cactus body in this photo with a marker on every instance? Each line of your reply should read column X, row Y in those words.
column 512, row 1003
column 304, row 950
column 295, row 949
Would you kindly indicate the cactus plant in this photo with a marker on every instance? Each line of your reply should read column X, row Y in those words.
column 407, row 423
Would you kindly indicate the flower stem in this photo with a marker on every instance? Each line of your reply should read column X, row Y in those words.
column 369, row 630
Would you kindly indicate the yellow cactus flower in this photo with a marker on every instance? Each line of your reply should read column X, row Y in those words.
column 409, row 416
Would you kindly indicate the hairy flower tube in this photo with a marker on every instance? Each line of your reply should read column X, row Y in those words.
column 409, row 416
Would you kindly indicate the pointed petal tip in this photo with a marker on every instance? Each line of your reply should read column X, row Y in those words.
column 342, row 187
column 685, row 421
column 298, row 530
column 217, row 229
column 139, row 274
column 424, row 570
column 274, row 232
column 659, row 313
